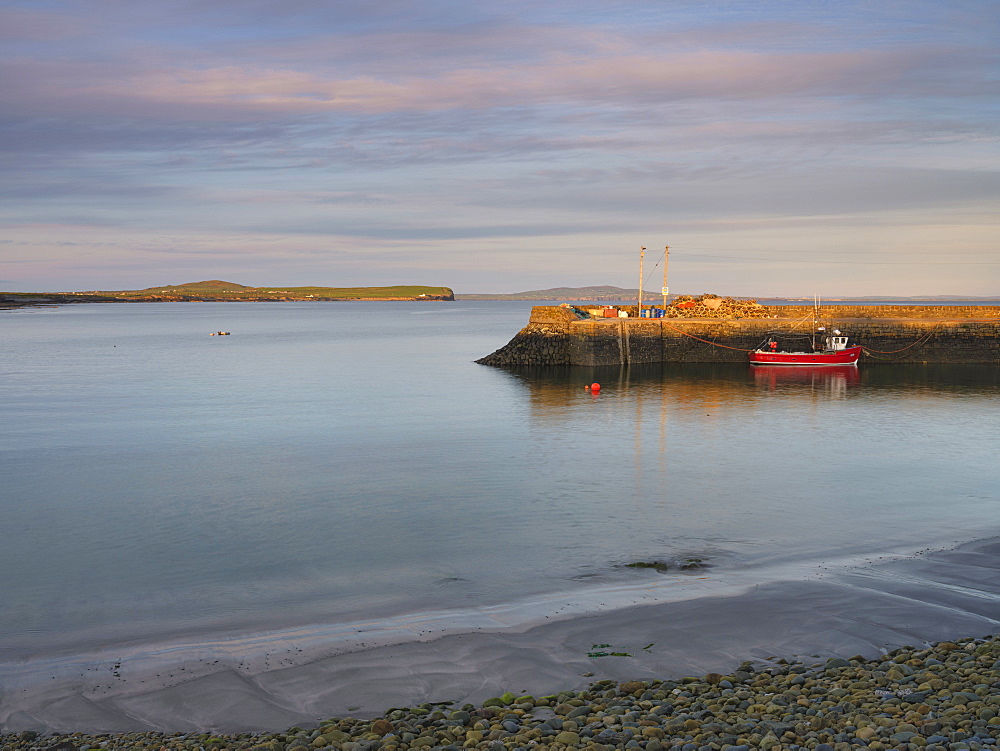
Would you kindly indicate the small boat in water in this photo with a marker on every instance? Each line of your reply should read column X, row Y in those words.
column 777, row 351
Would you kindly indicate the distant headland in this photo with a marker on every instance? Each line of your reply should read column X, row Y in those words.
column 216, row 290
column 601, row 293
column 608, row 293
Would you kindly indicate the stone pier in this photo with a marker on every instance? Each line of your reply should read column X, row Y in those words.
column 888, row 333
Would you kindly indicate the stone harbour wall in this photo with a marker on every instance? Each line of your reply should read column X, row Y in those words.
column 934, row 312
column 535, row 344
column 557, row 336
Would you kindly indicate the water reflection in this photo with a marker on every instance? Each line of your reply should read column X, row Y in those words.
column 699, row 385
column 741, row 465
column 968, row 379
column 830, row 380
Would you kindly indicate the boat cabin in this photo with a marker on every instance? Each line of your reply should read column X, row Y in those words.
column 836, row 343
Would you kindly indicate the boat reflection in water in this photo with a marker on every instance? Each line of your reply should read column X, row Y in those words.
column 556, row 395
column 833, row 379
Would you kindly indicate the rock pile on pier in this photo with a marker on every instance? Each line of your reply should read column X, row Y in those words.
column 713, row 306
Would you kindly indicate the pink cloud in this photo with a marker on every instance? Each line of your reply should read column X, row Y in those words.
column 626, row 80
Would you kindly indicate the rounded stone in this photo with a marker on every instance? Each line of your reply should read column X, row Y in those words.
column 568, row 738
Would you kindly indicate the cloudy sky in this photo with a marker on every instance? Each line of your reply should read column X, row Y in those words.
column 790, row 147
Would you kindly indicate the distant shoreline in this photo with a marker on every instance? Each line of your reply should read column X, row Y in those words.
column 16, row 300
column 655, row 300
column 217, row 290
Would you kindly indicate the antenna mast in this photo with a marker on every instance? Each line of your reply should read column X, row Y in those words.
column 642, row 253
column 666, row 259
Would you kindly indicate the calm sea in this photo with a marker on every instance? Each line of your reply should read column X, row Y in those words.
column 335, row 463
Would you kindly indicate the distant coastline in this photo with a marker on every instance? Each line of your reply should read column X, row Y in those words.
column 620, row 294
column 221, row 291
column 216, row 290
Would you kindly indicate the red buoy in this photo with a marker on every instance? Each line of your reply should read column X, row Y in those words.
column 595, row 387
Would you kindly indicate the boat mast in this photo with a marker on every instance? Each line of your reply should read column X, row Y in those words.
column 642, row 253
column 666, row 259
column 815, row 319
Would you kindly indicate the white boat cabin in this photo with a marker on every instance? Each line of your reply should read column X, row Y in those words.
column 836, row 343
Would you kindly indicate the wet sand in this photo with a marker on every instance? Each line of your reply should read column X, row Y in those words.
column 863, row 610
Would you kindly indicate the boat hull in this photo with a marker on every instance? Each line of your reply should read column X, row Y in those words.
column 848, row 356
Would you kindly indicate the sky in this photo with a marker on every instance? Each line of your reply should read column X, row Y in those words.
column 787, row 147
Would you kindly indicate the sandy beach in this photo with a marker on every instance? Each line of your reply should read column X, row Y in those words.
column 862, row 610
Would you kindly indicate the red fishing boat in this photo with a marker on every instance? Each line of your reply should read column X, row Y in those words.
column 776, row 350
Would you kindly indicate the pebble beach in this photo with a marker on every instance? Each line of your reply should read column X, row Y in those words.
column 944, row 696
column 792, row 665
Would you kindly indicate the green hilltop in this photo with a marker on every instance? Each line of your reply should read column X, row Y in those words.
column 216, row 289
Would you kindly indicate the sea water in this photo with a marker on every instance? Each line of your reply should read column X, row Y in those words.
column 334, row 464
